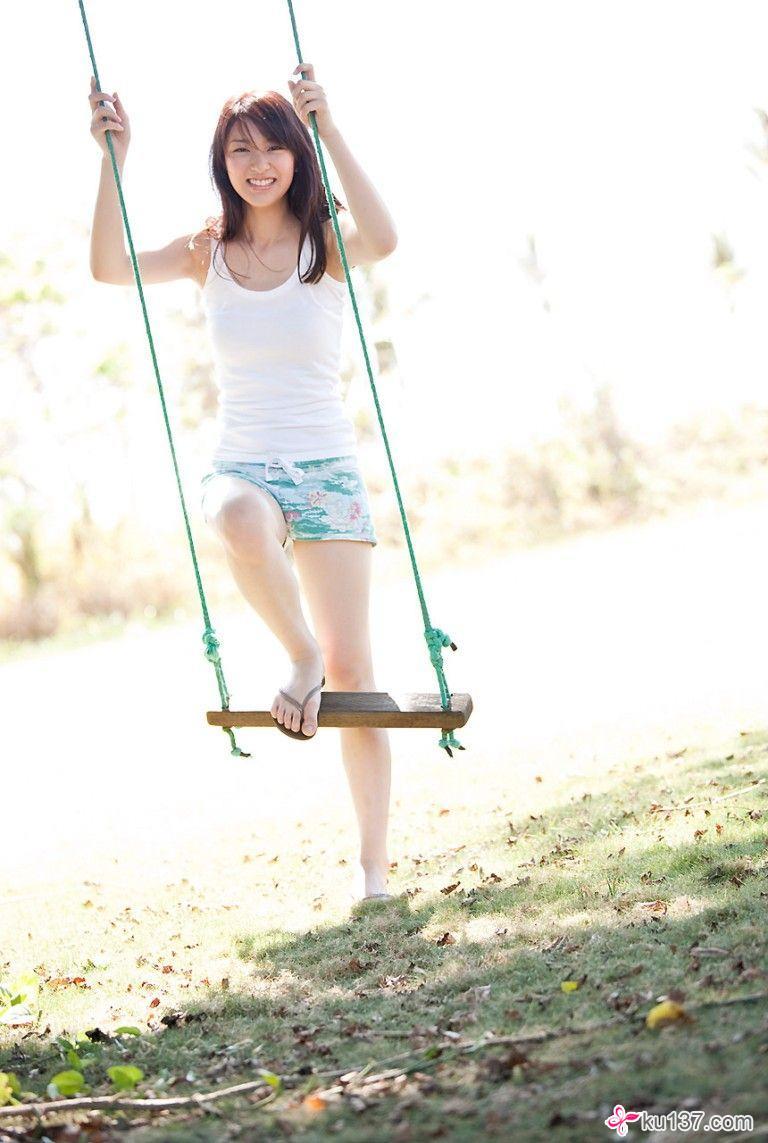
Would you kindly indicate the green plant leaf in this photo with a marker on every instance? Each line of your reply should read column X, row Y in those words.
column 127, row 1030
column 69, row 1083
column 18, row 994
column 125, row 1076
column 72, row 1058
column 9, row 1087
column 270, row 1078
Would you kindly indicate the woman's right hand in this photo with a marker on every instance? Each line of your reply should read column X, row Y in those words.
column 112, row 118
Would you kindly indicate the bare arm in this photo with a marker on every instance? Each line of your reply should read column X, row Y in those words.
column 110, row 261
column 373, row 235
column 370, row 234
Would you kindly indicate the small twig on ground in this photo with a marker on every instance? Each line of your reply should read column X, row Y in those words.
column 455, row 1050
column 120, row 1103
column 361, row 1076
column 752, row 998
column 710, row 801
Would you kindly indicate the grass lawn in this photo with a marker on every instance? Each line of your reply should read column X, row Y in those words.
column 627, row 883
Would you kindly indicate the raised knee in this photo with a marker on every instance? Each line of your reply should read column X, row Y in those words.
column 243, row 526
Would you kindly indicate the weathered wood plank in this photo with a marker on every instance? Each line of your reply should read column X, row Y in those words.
column 366, row 708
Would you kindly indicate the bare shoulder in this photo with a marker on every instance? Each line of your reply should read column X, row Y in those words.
column 200, row 246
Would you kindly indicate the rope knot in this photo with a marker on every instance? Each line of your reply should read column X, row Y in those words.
column 436, row 640
column 236, row 752
column 449, row 739
column 211, row 645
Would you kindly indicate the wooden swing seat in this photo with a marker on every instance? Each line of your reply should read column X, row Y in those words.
column 365, row 708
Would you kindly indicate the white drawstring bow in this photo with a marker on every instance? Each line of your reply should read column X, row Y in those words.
column 276, row 462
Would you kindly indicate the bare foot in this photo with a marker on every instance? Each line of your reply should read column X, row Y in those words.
column 307, row 673
column 371, row 880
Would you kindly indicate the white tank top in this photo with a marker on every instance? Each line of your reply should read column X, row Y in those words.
column 276, row 357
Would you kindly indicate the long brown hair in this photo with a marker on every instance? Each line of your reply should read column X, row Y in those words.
column 277, row 120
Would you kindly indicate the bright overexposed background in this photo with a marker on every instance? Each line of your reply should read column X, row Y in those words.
column 558, row 173
column 618, row 135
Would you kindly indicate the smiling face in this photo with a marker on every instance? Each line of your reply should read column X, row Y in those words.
column 260, row 170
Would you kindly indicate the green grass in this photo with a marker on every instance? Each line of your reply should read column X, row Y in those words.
column 634, row 882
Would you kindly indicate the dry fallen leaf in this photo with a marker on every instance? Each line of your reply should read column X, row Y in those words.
column 659, row 907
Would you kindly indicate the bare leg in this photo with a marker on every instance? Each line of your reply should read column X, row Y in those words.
column 252, row 528
column 336, row 575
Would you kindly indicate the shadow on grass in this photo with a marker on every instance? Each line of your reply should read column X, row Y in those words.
column 489, row 955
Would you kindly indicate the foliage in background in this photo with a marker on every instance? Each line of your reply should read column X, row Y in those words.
column 91, row 531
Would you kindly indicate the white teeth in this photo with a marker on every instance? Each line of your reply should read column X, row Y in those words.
column 260, row 182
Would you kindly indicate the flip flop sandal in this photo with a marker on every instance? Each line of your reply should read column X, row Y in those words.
column 300, row 707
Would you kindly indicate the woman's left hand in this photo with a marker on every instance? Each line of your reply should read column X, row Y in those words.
column 309, row 96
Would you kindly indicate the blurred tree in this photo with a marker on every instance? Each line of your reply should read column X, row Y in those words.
column 28, row 304
column 533, row 269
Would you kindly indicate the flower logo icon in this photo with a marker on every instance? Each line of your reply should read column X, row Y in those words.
column 620, row 1118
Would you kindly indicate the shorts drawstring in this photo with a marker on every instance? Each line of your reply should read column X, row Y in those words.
column 290, row 469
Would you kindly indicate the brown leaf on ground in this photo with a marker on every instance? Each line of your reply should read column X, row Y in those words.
column 96, row 1036
column 627, row 1002
column 752, row 974
column 658, row 907
column 497, row 1069
column 178, row 1019
column 446, row 939
column 355, row 965
column 398, row 983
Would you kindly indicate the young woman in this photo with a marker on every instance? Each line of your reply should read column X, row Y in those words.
column 285, row 466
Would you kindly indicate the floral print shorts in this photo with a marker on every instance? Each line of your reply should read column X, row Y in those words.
column 321, row 499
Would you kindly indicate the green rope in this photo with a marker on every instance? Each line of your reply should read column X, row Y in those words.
column 209, row 635
column 436, row 639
